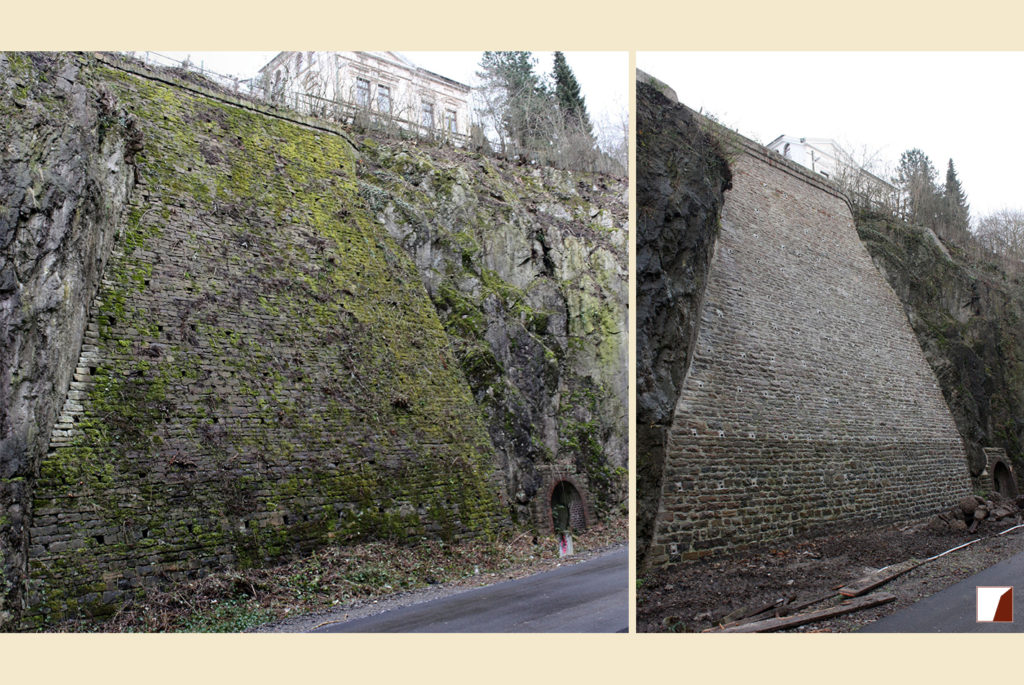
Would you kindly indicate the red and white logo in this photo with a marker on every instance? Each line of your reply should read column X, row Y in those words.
column 995, row 604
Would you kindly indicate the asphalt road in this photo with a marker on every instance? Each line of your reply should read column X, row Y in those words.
column 589, row 597
column 953, row 610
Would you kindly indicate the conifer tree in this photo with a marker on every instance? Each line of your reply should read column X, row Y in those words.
column 570, row 101
column 956, row 212
column 517, row 98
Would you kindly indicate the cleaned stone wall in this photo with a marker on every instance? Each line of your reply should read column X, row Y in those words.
column 966, row 307
column 262, row 371
column 808, row 401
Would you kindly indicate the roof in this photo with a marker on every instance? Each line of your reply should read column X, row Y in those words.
column 389, row 56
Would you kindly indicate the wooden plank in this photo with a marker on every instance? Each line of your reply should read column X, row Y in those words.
column 747, row 612
column 792, row 608
column 780, row 605
column 780, row 611
column 873, row 580
column 773, row 624
column 750, row 614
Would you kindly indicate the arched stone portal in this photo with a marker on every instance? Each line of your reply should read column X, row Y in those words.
column 998, row 475
column 1002, row 479
column 568, row 509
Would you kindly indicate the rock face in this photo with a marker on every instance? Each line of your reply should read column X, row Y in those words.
column 276, row 339
column 966, row 309
column 681, row 176
column 808, row 401
column 527, row 269
column 63, row 183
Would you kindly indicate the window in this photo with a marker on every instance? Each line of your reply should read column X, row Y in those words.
column 427, row 116
column 449, row 121
column 362, row 92
column 383, row 99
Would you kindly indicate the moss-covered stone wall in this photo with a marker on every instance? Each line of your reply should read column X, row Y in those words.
column 527, row 268
column 263, row 370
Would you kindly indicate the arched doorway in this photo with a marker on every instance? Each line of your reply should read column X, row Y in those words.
column 1003, row 480
column 567, row 510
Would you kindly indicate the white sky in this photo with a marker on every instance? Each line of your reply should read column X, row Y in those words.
column 965, row 105
column 603, row 76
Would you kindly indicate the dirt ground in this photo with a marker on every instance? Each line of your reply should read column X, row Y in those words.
column 694, row 597
column 354, row 580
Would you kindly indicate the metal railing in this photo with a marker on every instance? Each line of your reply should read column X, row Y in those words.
column 232, row 83
column 335, row 110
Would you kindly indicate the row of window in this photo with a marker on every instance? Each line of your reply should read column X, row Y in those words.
column 384, row 105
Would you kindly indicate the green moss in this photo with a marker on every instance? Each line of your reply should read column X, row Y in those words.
column 346, row 331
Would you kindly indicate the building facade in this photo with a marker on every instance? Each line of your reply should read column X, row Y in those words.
column 382, row 84
column 826, row 157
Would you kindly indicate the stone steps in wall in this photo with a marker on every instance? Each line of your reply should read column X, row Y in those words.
column 64, row 430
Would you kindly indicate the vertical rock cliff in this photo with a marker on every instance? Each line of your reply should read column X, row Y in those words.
column 681, row 176
column 65, row 176
column 527, row 269
column 966, row 307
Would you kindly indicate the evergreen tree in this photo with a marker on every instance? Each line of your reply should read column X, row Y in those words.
column 567, row 94
column 955, row 210
column 517, row 101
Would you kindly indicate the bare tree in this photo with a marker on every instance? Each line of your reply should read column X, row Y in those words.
column 1002, row 232
column 612, row 132
column 861, row 175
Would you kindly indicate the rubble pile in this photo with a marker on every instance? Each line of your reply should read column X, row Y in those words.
column 972, row 510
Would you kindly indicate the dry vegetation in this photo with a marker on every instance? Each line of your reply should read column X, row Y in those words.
column 234, row 601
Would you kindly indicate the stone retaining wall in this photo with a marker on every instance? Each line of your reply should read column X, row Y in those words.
column 808, row 401
column 262, row 370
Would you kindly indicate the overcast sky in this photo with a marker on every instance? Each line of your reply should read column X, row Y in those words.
column 965, row 105
column 603, row 76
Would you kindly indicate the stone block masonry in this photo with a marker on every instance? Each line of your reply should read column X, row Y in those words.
column 808, row 401
column 262, row 370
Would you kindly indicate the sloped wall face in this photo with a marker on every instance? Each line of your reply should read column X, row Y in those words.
column 527, row 268
column 966, row 310
column 263, row 370
column 808, row 400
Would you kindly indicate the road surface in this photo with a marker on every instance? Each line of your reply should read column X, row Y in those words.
column 954, row 610
column 589, row 597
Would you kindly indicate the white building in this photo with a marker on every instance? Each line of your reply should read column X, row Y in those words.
column 382, row 84
column 826, row 157
column 821, row 155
